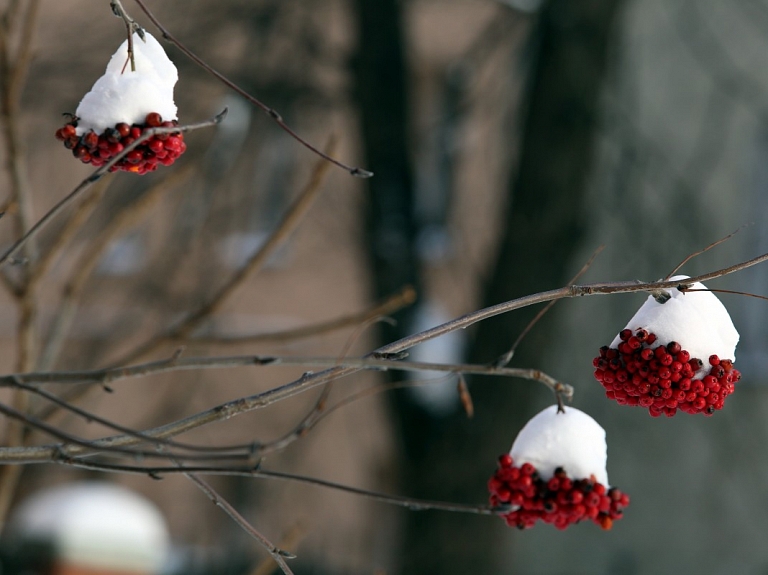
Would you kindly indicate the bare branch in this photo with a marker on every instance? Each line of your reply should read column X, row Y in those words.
column 276, row 117
column 311, row 380
column 107, row 376
column 410, row 503
column 706, row 249
column 251, row 450
column 91, row 447
column 277, row 554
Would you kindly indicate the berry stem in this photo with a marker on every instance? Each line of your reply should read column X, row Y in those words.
column 131, row 26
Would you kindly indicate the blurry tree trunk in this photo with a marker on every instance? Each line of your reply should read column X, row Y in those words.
column 451, row 458
column 382, row 94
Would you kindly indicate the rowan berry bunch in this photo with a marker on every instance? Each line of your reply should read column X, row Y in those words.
column 122, row 105
column 556, row 473
column 559, row 501
column 98, row 149
column 676, row 353
column 663, row 378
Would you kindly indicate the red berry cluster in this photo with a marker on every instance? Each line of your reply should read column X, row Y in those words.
column 662, row 378
column 98, row 149
column 560, row 501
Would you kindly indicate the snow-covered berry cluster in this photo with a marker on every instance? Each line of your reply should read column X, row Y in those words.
column 122, row 104
column 559, row 501
column 675, row 355
column 98, row 149
column 663, row 378
column 556, row 473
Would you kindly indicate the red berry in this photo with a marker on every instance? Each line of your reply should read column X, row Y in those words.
column 173, row 143
column 154, row 120
column 625, row 334
column 696, row 364
column 123, row 129
column 115, row 148
column 155, row 145
column 577, row 497
column 91, row 140
column 714, row 360
column 134, row 157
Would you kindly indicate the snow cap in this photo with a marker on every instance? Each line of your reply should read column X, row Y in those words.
column 97, row 525
column 122, row 95
column 697, row 320
column 571, row 440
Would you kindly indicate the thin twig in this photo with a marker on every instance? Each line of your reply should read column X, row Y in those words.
column 504, row 360
column 276, row 117
column 131, row 26
column 381, row 363
column 277, row 554
column 706, row 249
column 91, row 447
column 410, row 503
column 730, row 291
column 7, row 257
column 290, row 540
column 250, row 450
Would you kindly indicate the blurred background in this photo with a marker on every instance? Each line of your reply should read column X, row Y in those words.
column 509, row 140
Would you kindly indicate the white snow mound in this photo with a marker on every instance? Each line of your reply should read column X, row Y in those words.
column 96, row 525
column 571, row 440
column 121, row 95
column 697, row 320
